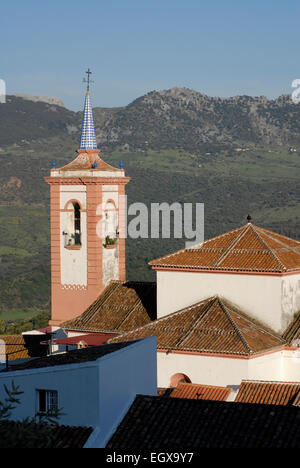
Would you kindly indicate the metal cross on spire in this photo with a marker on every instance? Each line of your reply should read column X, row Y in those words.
column 88, row 79
column 88, row 135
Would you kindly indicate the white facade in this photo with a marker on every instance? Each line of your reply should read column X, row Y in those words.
column 283, row 365
column 273, row 300
column 74, row 266
column 110, row 265
column 95, row 393
column 110, row 227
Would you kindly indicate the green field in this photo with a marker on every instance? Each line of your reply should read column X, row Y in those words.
column 17, row 314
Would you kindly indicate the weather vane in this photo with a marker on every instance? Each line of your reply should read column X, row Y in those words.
column 88, row 79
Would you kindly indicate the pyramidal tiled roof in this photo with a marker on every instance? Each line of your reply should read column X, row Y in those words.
column 122, row 306
column 248, row 248
column 212, row 326
column 88, row 159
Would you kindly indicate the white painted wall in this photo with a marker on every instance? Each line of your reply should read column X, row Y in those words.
column 72, row 192
column 110, row 226
column 291, row 365
column 278, row 366
column 110, row 265
column 290, row 298
column 267, row 367
column 271, row 299
column 110, row 188
column 73, row 383
column 96, row 393
column 201, row 369
column 74, row 262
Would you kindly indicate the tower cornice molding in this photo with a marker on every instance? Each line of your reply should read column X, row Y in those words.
column 87, row 180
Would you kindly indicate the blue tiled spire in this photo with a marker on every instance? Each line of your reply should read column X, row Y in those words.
column 88, row 136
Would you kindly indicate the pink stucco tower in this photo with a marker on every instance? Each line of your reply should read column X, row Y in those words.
column 87, row 204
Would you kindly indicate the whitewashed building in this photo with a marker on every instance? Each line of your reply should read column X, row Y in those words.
column 228, row 310
column 94, row 387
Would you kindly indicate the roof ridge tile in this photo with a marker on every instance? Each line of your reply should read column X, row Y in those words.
column 269, row 248
column 240, row 335
column 194, row 325
column 231, row 246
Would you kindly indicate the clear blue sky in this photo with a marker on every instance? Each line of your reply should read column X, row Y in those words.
column 218, row 47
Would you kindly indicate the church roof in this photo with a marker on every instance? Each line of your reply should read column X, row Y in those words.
column 249, row 248
column 211, row 326
column 122, row 306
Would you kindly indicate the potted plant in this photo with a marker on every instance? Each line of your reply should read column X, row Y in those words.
column 110, row 243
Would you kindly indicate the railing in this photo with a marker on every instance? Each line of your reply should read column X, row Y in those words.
column 21, row 348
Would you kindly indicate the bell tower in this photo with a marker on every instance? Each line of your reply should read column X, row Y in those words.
column 87, row 217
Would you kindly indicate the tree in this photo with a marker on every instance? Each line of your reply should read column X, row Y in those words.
column 27, row 433
column 2, row 327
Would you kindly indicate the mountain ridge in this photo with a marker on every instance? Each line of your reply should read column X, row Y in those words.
column 47, row 99
column 177, row 118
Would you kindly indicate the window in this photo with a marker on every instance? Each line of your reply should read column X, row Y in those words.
column 77, row 224
column 72, row 225
column 47, row 401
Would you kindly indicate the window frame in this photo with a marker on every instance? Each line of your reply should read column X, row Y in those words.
column 47, row 400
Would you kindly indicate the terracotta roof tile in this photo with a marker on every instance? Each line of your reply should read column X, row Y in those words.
column 200, row 392
column 293, row 243
column 248, row 248
column 296, row 401
column 15, row 347
column 268, row 393
column 122, row 306
column 213, row 326
column 292, row 333
column 86, row 160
